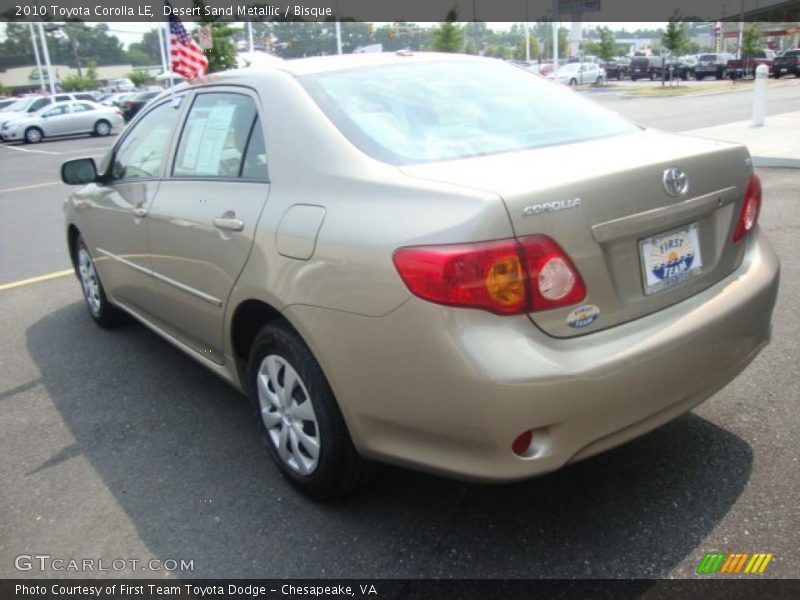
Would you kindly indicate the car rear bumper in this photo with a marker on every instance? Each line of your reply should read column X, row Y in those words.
column 447, row 390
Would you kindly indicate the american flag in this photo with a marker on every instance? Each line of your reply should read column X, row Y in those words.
column 186, row 57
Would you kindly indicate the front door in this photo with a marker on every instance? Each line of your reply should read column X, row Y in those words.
column 202, row 222
column 121, row 203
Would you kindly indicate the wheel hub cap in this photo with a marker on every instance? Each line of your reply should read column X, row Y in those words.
column 288, row 414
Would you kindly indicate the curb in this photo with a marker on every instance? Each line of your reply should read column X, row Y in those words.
column 775, row 162
column 710, row 92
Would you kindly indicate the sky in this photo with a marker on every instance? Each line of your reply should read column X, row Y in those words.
column 130, row 32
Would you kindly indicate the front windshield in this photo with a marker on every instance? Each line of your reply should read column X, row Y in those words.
column 20, row 105
column 432, row 111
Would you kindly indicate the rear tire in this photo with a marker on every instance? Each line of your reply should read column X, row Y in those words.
column 102, row 128
column 299, row 417
column 33, row 135
column 699, row 77
column 100, row 309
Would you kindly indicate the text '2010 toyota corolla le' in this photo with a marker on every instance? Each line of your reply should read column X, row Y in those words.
column 441, row 262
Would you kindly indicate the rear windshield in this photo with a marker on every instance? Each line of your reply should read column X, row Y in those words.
column 708, row 57
column 446, row 110
column 792, row 53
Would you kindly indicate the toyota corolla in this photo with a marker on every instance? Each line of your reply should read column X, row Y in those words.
column 436, row 261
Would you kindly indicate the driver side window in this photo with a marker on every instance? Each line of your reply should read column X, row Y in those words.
column 141, row 154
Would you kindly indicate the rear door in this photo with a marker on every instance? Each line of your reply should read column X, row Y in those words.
column 82, row 117
column 203, row 220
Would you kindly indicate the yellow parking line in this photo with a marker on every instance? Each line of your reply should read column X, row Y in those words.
column 21, row 282
column 29, row 187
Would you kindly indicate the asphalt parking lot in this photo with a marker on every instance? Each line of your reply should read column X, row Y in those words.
column 116, row 445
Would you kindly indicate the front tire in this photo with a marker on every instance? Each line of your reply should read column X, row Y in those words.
column 33, row 135
column 299, row 417
column 573, row 82
column 100, row 309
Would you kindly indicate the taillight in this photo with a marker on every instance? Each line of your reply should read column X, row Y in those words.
column 751, row 207
column 505, row 277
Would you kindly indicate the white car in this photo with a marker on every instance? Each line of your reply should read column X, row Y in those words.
column 33, row 104
column 121, row 84
column 579, row 74
column 62, row 118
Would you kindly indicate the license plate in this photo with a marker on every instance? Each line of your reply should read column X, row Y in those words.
column 783, row 70
column 670, row 258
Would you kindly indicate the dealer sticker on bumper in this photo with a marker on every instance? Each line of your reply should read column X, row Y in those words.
column 670, row 258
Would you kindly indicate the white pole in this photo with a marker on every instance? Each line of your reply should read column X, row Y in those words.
column 250, row 35
column 760, row 95
column 338, row 37
column 169, row 55
column 36, row 56
column 161, row 48
column 555, row 45
column 47, row 59
column 527, row 43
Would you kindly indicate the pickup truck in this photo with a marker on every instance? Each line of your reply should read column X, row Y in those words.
column 788, row 62
column 738, row 68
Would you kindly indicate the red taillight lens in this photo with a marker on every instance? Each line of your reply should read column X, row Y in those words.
column 751, row 207
column 504, row 277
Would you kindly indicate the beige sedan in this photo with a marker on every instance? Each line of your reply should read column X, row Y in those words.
column 427, row 260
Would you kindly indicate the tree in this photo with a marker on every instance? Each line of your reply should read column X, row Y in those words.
column 605, row 47
column 147, row 52
column 674, row 37
column 448, row 37
column 138, row 77
column 81, row 82
column 222, row 56
column 563, row 42
column 751, row 40
column 534, row 49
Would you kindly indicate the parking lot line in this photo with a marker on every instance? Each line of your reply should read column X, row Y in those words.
column 28, row 150
column 29, row 187
column 21, row 282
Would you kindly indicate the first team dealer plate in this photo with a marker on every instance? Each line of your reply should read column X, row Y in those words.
column 670, row 258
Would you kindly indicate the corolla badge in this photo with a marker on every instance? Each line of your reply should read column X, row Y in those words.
column 675, row 182
column 546, row 207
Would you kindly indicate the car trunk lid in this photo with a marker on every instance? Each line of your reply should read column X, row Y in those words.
column 605, row 203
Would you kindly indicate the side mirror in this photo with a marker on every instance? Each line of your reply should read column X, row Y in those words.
column 79, row 171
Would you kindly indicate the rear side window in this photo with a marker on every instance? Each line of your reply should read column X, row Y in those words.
column 215, row 136
column 141, row 154
column 58, row 110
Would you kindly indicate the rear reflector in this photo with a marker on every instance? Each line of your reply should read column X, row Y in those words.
column 751, row 207
column 505, row 277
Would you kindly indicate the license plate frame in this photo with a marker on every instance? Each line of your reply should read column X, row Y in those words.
column 670, row 258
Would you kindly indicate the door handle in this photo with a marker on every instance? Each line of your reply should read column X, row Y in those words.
column 229, row 224
column 140, row 212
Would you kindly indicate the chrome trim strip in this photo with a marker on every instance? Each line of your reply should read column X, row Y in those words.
column 189, row 290
column 641, row 223
column 176, row 284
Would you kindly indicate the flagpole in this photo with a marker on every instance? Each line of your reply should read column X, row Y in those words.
column 36, row 56
column 161, row 48
column 174, row 100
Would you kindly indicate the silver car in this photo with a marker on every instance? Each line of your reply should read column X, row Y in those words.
column 62, row 118
column 425, row 260
column 579, row 74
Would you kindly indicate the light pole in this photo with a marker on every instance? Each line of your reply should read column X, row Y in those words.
column 36, row 56
column 47, row 58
